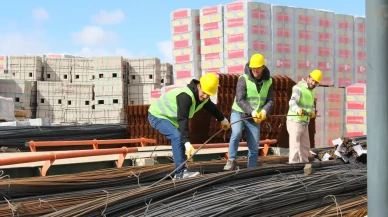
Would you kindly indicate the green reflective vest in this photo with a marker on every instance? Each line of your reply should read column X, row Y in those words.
column 306, row 102
column 254, row 98
column 166, row 107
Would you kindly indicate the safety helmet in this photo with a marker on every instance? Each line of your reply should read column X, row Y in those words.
column 316, row 75
column 257, row 61
column 209, row 83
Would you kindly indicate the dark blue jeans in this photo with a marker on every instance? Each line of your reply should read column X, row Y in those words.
column 166, row 128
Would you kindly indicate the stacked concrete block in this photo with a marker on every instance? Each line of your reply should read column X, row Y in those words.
column 325, row 46
column 3, row 64
column 186, row 45
column 305, row 42
column 82, row 70
column 110, row 87
column 50, row 98
column 247, row 30
column 167, row 76
column 212, row 39
column 344, row 47
column 320, row 121
column 334, row 113
column 356, row 110
column 78, row 102
column 25, row 67
column 283, row 38
column 58, row 69
column 23, row 93
column 144, row 76
column 360, row 50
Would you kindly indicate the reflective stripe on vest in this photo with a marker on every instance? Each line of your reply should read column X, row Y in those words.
column 165, row 107
column 306, row 102
column 256, row 100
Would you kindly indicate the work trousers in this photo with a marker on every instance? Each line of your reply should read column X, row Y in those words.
column 166, row 128
column 299, row 142
column 252, row 130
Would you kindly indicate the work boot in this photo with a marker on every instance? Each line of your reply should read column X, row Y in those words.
column 230, row 165
column 186, row 174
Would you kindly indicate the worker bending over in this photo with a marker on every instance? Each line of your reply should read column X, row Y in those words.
column 301, row 109
column 171, row 112
column 254, row 98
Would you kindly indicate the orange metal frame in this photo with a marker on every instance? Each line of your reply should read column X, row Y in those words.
column 266, row 144
column 94, row 143
column 51, row 157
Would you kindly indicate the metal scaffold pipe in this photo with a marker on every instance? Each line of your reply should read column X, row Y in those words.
column 377, row 105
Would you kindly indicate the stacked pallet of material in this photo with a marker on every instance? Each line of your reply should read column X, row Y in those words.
column 23, row 93
column 360, row 50
column 144, row 75
column 356, row 110
column 166, row 72
column 4, row 67
column 82, row 71
column 320, row 121
column 26, row 68
column 186, row 45
column 78, row 102
column 57, row 69
column 334, row 114
column 283, row 39
column 247, row 30
column 344, row 47
column 325, row 46
column 274, row 127
column 212, row 39
column 110, row 88
column 305, row 41
column 50, row 98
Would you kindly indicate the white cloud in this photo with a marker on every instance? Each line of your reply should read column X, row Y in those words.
column 108, row 18
column 18, row 43
column 165, row 49
column 93, row 36
column 40, row 14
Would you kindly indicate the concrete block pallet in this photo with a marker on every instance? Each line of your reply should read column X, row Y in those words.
column 356, row 110
column 23, row 67
column 167, row 75
column 186, row 45
column 360, row 50
column 3, row 65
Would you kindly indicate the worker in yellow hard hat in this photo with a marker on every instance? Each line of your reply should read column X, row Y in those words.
column 254, row 98
column 301, row 110
column 171, row 112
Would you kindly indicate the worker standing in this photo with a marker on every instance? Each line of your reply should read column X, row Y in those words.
column 254, row 98
column 301, row 110
column 171, row 112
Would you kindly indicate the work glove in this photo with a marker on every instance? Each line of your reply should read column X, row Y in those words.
column 262, row 115
column 255, row 116
column 225, row 124
column 302, row 112
column 312, row 115
column 189, row 149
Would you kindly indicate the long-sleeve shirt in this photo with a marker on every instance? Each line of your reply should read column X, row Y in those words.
column 241, row 91
column 184, row 103
column 295, row 97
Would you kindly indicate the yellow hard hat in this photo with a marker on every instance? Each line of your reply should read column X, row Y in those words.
column 209, row 83
column 257, row 61
column 316, row 75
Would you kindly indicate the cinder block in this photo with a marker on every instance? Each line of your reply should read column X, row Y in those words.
column 144, row 162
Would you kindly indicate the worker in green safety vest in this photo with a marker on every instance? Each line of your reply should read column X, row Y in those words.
column 301, row 110
column 171, row 112
column 254, row 98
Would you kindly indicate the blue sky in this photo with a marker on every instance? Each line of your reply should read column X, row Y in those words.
column 124, row 27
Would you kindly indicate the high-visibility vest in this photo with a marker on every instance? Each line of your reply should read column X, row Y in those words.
column 166, row 107
column 306, row 102
column 254, row 98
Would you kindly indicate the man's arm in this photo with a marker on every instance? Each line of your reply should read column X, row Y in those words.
column 213, row 110
column 241, row 95
column 268, row 106
column 184, row 103
column 294, row 100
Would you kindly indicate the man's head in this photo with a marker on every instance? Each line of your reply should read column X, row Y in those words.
column 208, row 85
column 314, row 79
column 257, row 64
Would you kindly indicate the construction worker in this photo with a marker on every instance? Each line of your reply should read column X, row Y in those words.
column 254, row 98
column 171, row 112
column 301, row 110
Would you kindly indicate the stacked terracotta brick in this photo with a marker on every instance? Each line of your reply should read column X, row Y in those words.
column 275, row 126
column 138, row 125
